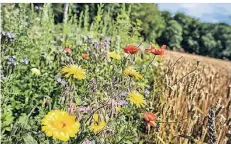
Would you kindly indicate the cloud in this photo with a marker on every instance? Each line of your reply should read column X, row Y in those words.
column 205, row 12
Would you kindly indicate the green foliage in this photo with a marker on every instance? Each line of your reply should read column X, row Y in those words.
column 172, row 35
column 153, row 23
column 195, row 37
column 41, row 39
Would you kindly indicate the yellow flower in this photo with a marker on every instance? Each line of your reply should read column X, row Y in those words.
column 131, row 72
column 96, row 126
column 136, row 98
column 35, row 71
column 114, row 55
column 60, row 125
column 76, row 70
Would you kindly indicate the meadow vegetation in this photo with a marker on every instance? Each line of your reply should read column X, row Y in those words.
column 93, row 78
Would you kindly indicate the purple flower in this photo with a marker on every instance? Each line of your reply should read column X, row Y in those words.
column 88, row 142
column 84, row 109
column 95, row 43
column 11, row 60
column 25, row 60
column 94, row 85
column 146, row 92
column 106, row 45
column 58, row 79
column 122, row 102
column 8, row 34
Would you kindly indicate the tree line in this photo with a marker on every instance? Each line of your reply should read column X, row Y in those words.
column 180, row 31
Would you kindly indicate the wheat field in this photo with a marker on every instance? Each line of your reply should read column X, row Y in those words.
column 193, row 85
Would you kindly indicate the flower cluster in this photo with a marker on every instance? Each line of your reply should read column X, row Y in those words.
column 8, row 34
column 11, row 60
column 62, row 125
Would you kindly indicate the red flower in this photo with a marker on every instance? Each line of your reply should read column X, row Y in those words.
column 68, row 50
column 155, row 51
column 131, row 49
column 85, row 56
column 150, row 118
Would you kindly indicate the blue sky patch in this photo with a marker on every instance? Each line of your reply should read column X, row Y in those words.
column 212, row 13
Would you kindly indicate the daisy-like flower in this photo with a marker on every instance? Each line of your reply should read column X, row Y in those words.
column 74, row 70
column 35, row 71
column 60, row 125
column 136, row 98
column 131, row 72
column 114, row 55
column 96, row 126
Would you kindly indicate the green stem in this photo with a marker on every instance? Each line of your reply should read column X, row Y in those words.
column 150, row 64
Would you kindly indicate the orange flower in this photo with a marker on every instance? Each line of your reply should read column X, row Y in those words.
column 150, row 118
column 68, row 50
column 131, row 49
column 155, row 51
column 85, row 56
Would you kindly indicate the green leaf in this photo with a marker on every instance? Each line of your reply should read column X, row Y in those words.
column 128, row 142
column 22, row 118
column 122, row 128
column 29, row 140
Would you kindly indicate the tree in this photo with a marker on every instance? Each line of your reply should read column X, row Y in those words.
column 172, row 35
column 191, row 33
column 166, row 15
column 153, row 23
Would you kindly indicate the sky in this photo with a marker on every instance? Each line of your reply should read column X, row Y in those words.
column 212, row 13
